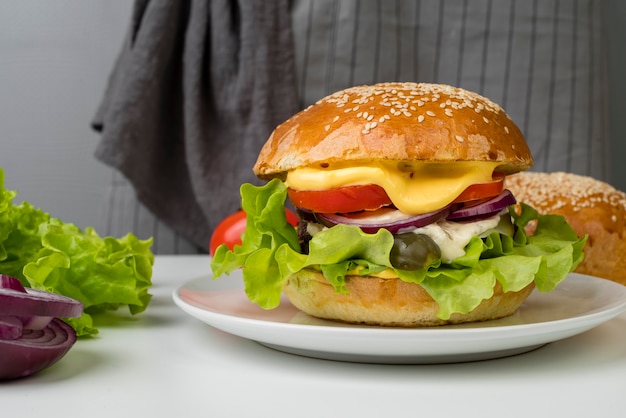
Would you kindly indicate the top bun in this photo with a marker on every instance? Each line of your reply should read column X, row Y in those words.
column 395, row 121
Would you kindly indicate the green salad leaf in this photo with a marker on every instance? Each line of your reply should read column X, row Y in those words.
column 270, row 254
column 104, row 273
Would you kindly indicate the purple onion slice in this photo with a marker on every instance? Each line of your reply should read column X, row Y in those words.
column 31, row 337
column 32, row 302
column 390, row 219
column 11, row 283
column 10, row 327
column 484, row 209
column 35, row 350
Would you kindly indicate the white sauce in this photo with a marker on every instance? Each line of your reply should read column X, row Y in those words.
column 452, row 237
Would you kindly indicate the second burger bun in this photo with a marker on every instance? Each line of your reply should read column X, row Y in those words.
column 590, row 206
column 398, row 122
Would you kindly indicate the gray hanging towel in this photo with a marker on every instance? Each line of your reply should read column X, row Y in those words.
column 194, row 93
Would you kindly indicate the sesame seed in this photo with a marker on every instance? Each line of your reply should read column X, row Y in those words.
column 485, row 119
column 459, row 138
column 420, row 118
column 336, row 118
column 506, row 129
column 370, row 117
column 430, row 113
column 327, row 128
column 448, row 112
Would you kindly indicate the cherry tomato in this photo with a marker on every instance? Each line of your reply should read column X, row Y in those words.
column 340, row 200
column 482, row 190
column 229, row 231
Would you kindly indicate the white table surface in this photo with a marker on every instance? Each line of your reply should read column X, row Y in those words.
column 165, row 363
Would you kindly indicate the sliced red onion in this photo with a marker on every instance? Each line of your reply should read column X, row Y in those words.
column 31, row 338
column 390, row 219
column 484, row 209
column 34, row 309
column 36, row 322
column 35, row 302
column 35, row 350
column 10, row 327
column 11, row 283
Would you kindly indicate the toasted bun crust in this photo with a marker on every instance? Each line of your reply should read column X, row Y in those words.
column 396, row 121
column 388, row 302
column 590, row 206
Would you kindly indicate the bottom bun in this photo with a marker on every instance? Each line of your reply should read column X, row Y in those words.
column 388, row 302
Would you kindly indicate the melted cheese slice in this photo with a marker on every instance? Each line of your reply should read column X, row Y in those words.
column 413, row 187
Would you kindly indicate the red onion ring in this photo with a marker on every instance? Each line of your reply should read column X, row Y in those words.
column 10, row 327
column 372, row 221
column 32, row 302
column 11, row 283
column 484, row 209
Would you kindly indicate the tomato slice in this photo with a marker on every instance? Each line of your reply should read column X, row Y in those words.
column 482, row 190
column 230, row 230
column 340, row 200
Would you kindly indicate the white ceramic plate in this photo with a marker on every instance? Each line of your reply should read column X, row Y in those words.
column 577, row 305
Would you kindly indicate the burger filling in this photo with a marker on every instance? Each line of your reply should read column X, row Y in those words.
column 433, row 209
column 418, row 247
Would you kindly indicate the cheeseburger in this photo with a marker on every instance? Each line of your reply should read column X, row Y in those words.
column 405, row 219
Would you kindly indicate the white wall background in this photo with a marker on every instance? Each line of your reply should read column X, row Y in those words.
column 55, row 57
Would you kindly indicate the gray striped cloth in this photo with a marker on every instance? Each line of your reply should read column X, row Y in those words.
column 544, row 61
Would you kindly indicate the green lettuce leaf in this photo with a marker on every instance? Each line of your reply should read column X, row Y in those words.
column 270, row 254
column 104, row 273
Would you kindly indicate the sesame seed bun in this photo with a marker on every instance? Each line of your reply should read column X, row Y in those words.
column 389, row 302
column 590, row 206
column 399, row 122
